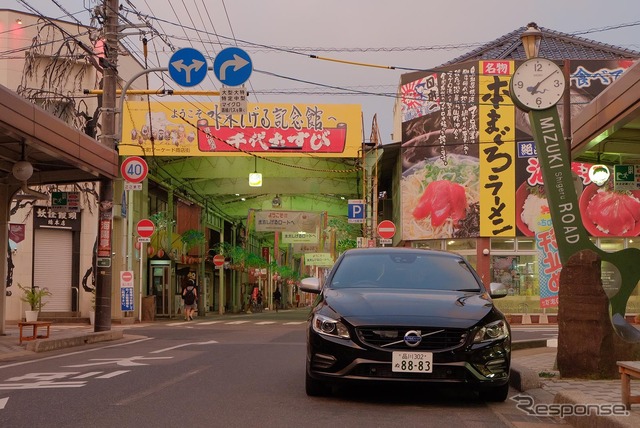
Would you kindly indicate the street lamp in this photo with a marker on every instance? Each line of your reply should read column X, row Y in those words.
column 531, row 40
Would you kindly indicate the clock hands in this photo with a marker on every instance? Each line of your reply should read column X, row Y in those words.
column 534, row 89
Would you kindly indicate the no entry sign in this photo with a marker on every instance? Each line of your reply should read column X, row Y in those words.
column 145, row 228
column 386, row 229
column 218, row 260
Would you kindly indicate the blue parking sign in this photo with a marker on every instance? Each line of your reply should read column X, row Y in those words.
column 357, row 211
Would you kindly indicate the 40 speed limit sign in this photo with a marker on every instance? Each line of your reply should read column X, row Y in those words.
column 134, row 170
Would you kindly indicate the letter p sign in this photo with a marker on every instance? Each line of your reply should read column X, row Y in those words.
column 356, row 211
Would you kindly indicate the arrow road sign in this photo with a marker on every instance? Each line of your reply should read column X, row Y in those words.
column 187, row 67
column 232, row 66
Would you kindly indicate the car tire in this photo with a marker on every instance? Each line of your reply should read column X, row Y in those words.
column 315, row 388
column 495, row 393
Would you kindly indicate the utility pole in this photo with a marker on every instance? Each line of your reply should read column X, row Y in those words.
column 105, row 222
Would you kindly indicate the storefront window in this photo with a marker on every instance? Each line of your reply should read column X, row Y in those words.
column 503, row 244
column 611, row 244
column 518, row 273
column 461, row 244
column 526, row 244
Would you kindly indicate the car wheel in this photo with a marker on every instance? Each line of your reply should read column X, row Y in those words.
column 495, row 394
column 315, row 388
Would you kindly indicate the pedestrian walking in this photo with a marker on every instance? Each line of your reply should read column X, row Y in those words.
column 190, row 297
column 276, row 298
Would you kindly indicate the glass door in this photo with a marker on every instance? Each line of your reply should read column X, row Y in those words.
column 160, row 279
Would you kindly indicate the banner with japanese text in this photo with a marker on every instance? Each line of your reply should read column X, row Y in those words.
column 497, row 148
column 199, row 129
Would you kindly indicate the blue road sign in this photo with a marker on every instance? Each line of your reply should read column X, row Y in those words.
column 232, row 66
column 356, row 211
column 187, row 67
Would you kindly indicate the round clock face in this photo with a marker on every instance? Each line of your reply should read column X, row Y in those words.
column 537, row 84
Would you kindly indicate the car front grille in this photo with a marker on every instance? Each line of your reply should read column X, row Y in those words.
column 391, row 338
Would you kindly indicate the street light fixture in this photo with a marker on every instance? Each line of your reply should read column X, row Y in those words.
column 531, row 40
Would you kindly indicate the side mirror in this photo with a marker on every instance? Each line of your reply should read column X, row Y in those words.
column 497, row 290
column 310, row 285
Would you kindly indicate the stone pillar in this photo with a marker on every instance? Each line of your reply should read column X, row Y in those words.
column 588, row 347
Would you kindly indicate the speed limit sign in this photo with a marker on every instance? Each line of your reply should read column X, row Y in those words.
column 134, row 169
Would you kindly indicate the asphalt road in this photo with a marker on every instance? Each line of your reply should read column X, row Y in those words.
column 215, row 373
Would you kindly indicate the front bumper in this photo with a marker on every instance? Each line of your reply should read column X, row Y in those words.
column 485, row 364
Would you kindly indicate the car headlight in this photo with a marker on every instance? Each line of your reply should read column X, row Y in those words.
column 495, row 330
column 328, row 326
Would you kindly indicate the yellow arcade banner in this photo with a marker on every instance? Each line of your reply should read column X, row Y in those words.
column 199, row 129
column 497, row 130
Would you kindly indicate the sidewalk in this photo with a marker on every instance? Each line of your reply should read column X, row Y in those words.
column 528, row 363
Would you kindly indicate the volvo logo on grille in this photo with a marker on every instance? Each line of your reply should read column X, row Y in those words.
column 412, row 338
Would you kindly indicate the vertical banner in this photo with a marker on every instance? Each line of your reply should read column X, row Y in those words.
column 549, row 265
column 497, row 149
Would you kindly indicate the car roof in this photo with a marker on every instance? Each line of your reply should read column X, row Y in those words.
column 402, row 250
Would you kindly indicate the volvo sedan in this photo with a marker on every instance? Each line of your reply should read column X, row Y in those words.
column 406, row 315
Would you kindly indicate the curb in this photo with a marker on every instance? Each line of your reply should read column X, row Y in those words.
column 590, row 419
column 44, row 345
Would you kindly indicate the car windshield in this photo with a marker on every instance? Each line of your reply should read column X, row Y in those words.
column 406, row 270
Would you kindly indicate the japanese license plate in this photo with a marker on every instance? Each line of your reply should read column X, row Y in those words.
column 413, row 362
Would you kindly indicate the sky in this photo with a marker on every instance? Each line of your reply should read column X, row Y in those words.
column 364, row 46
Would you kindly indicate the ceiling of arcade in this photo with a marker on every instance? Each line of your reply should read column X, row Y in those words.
column 302, row 184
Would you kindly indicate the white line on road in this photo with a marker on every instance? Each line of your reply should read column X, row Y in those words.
column 265, row 322
column 237, row 322
column 209, row 322
column 183, row 345
column 3, row 402
column 113, row 374
column 295, row 322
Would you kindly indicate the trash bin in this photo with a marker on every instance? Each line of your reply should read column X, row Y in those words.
column 149, row 308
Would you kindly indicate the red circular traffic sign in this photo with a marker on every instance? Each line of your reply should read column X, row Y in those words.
column 145, row 228
column 218, row 260
column 127, row 276
column 134, row 169
column 386, row 229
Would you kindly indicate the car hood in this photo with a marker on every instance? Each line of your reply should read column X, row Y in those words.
column 453, row 309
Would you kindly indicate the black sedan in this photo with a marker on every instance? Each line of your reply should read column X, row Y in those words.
column 406, row 315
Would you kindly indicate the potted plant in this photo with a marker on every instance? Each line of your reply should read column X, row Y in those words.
column 33, row 296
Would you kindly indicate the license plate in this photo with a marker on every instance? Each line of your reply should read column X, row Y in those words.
column 412, row 362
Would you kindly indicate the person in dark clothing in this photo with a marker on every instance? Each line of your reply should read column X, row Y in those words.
column 276, row 298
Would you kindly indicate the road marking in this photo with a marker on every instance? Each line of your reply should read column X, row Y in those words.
column 117, row 345
column 295, row 323
column 265, row 322
column 183, row 345
column 124, row 362
column 209, row 322
column 237, row 322
column 3, row 402
column 113, row 374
